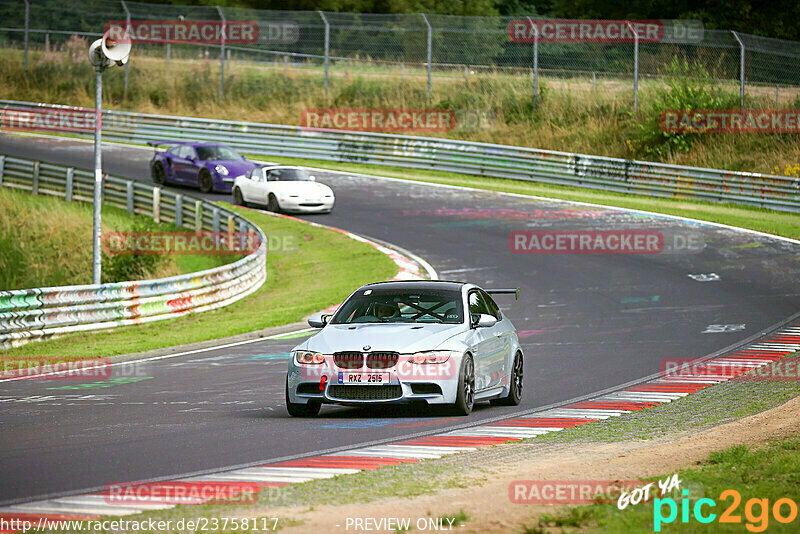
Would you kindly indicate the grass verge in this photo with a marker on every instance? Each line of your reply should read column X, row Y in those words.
column 761, row 476
column 46, row 242
column 753, row 218
column 317, row 268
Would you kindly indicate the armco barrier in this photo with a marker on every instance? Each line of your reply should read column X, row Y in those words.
column 480, row 159
column 31, row 314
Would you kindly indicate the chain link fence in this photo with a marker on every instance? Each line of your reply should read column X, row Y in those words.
column 441, row 48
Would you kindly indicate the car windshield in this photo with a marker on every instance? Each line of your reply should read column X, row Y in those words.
column 409, row 306
column 291, row 175
column 217, row 152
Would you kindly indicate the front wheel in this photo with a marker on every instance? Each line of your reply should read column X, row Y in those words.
column 515, row 386
column 206, row 182
column 465, row 399
column 238, row 199
column 272, row 204
column 310, row 409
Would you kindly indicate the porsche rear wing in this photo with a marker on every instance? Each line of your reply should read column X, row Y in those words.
column 514, row 292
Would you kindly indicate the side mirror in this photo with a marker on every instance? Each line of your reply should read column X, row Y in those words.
column 244, row 157
column 318, row 320
column 485, row 321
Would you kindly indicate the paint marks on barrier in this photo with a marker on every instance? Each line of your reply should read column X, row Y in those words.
column 723, row 328
column 102, row 384
column 269, row 357
column 710, row 277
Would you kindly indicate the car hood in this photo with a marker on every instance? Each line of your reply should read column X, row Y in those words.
column 291, row 187
column 399, row 337
column 236, row 167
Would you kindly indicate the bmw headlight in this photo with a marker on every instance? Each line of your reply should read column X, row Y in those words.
column 221, row 169
column 431, row 356
column 308, row 357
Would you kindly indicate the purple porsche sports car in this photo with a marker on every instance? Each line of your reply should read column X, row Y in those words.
column 207, row 165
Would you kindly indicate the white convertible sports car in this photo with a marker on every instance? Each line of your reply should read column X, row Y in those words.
column 412, row 341
column 283, row 188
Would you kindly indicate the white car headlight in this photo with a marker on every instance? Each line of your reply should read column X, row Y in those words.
column 221, row 169
column 308, row 357
column 431, row 356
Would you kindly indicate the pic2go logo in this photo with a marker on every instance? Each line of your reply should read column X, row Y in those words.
column 756, row 511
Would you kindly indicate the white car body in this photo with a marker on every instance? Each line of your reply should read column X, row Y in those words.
column 263, row 186
column 362, row 356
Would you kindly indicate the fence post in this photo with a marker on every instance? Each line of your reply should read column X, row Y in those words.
column 594, row 82
column 198, row 215
column 635, row 65
column 157, row 204
column 215, row 220
column 231, row 231
column 2, row 168
column 127, row 63
column 27, row 24
column 741, row 68
column 430, row 50
column 777, row 95
column 35, row 187
column 169, row 49
column 178, row 210
column 327, row 46
column 222, row 53
column 535, row 29
column 129, row 196
column 70, row 179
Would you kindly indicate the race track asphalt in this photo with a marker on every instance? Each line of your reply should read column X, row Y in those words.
column 586, row 322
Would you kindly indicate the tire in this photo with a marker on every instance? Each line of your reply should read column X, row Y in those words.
column 206, row 182
column 238, row 199
column 311, row 409
column 272, row 204
column 515, row 387
column 158, row 174
column 465, row 399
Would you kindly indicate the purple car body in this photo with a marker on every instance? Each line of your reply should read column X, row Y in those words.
column 208, row 165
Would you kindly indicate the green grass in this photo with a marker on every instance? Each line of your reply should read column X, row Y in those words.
column 568, row 116
column 324, row 269
column 759, row 219
column 712, row 406
column 770, row 472
column 45, row 241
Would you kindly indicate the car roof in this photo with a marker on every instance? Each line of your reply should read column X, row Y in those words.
column 405, row 285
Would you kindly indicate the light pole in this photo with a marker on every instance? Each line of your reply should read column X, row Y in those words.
column 102, row 54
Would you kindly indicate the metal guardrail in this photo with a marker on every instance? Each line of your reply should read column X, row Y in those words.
column 33, row 314
column 479, row 159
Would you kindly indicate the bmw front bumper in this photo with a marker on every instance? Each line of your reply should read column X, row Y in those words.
column 424, row 383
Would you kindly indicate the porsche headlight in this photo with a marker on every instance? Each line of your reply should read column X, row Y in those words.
column 221, row 169
column 309, row 357
column 431, row 356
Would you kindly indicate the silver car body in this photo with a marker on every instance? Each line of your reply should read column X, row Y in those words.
column 492, row 349
column 292, row 196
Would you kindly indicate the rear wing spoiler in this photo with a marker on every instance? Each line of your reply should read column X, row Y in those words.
column 159, row 143
column 514, row 292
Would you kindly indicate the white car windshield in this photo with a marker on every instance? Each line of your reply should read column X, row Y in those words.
column 391, row 306
column 289, row 175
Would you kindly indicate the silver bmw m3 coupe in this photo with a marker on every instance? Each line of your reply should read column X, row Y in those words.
column 412, row 341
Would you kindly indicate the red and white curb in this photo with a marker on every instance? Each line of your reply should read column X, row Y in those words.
column 765, row 351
